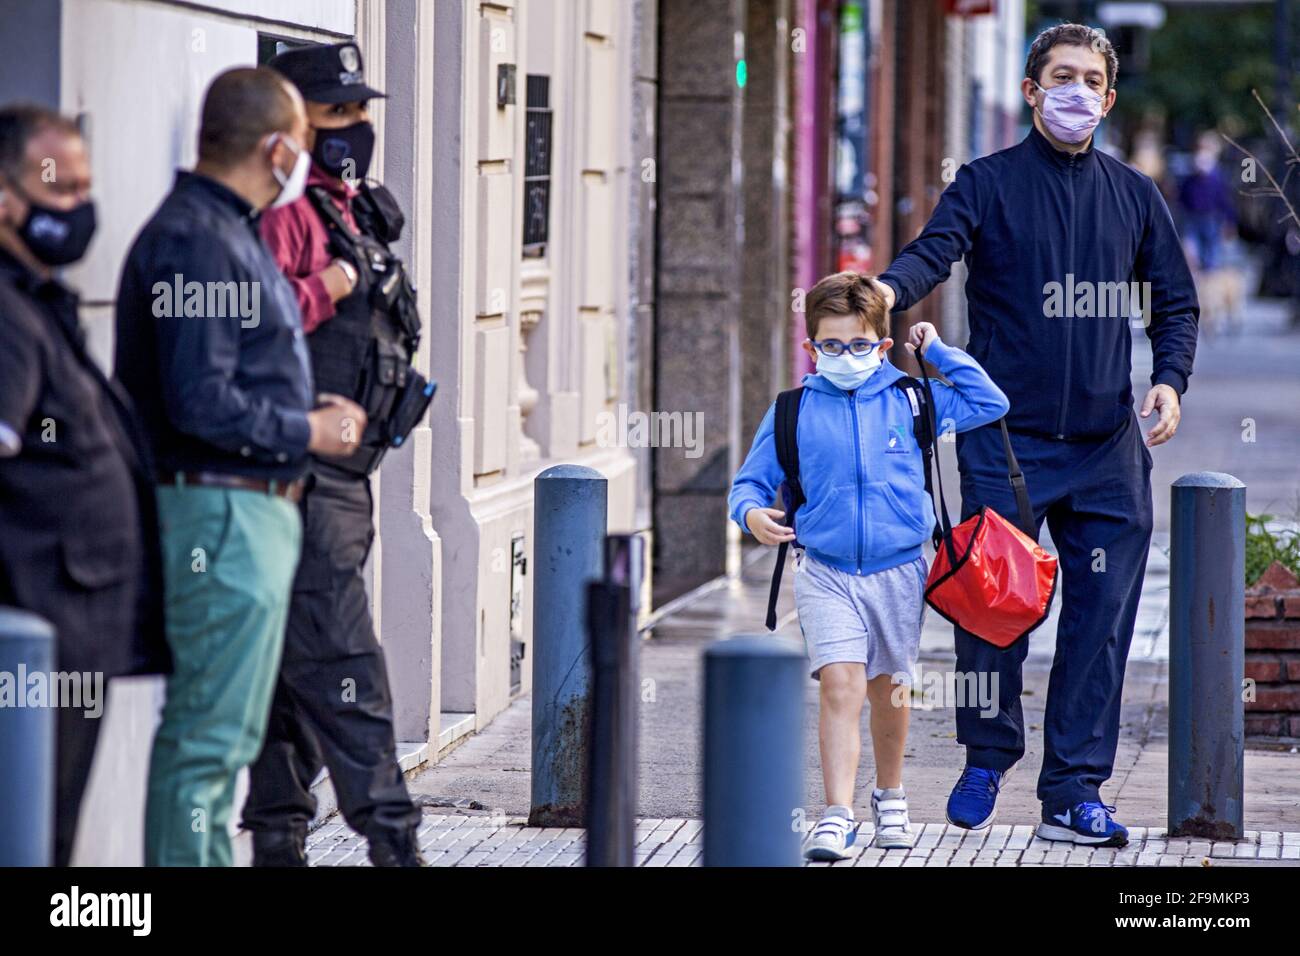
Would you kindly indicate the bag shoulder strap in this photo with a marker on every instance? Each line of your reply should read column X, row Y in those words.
column 1014, row 475
column 1017, row 479
column 785, row 430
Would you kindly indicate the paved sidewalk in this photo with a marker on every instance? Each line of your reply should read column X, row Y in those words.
column 489, row 773
column 493, row 767
column 484, row 840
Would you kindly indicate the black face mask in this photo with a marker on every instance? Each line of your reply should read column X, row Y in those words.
column 55, row 236
column 345, row 152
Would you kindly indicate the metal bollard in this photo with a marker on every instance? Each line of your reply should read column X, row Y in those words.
column 753, row 751
column 615, row 646
column 569, row 521
column 1207, row 561
column 26, row 744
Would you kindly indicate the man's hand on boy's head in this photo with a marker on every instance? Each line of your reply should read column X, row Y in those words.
column 763, row 525
column 920, row 336
column 887, row 291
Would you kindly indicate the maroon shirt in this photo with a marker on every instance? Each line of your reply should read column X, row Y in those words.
column 299, row 243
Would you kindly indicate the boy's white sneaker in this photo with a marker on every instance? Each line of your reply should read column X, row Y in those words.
column 889, row 811
column 833, row 835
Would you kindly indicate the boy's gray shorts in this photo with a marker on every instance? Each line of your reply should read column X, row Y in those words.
column 873, row 619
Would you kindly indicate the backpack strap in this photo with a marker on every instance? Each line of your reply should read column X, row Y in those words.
column 923, row 429
column 943, row 524
column 785, row 430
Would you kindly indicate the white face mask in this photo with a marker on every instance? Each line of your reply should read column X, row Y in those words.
column 293, row 185
column 846, row 370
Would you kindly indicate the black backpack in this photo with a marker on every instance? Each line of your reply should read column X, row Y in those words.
column 785, row 429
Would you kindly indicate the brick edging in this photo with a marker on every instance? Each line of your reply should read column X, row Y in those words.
column 1273, row 654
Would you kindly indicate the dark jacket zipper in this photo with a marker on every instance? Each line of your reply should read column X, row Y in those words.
column 1069, row 328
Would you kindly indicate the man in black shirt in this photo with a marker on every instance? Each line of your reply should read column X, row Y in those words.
column 75, row 488
column 211, row 346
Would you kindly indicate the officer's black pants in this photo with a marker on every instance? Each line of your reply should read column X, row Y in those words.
column 332, row 705
column 76, row 735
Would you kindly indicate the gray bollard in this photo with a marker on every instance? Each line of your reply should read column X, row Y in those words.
column 26, row 744
column 753, row 751
column 1207, row 571
column 569, row 520
column 615, row 646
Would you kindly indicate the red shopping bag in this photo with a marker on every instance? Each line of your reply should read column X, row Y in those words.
column 989, row 577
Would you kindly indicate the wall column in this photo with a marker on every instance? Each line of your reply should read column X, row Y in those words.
column 407, row 568
column 765, row 291
column 697, row 350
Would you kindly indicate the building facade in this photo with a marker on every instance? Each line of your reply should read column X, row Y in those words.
column 613, row 207
column 507, row 136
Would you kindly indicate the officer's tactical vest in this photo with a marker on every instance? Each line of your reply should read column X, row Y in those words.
column 365, row 351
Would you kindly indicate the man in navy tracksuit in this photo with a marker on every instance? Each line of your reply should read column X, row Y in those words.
column 1059, row 239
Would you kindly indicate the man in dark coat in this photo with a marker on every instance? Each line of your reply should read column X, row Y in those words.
column 78, row 525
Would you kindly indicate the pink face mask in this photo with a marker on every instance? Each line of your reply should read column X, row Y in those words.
column 1071, row 112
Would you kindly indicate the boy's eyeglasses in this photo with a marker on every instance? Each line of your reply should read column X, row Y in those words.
column 834, row 347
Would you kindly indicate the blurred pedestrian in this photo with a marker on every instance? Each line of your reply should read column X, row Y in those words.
column 1206, row 201
column 1209, row 231
column 78, row 529
column 358, row 310
column 210, row 343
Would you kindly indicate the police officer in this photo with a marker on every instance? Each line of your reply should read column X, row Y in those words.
column 210, row 343
column 77, row 526
column 332, row 704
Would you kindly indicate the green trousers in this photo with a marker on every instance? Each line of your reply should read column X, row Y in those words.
column 229, row 557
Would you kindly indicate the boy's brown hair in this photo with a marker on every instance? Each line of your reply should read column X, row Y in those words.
column 847, row 293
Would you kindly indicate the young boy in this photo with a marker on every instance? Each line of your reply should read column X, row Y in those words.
column 861, row 574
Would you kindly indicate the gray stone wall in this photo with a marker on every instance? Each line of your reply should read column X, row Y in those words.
column 697, row 351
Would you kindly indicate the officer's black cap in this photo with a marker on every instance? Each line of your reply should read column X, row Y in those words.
column 326, row 74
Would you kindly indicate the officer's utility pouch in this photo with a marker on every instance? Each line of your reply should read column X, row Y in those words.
column 395, row 397
column 410, row 407
column 382, row 377
column 384, row 214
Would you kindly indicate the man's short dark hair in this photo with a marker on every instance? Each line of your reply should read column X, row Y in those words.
column 1071, row 34
column 20, row 123
column 240, row 107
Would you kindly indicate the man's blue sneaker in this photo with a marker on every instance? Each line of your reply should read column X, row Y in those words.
column 972, row 805
column 1088, row 823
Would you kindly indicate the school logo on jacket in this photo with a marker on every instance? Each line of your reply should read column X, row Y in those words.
column 897, row 443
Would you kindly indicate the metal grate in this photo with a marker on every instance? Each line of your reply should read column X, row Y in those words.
column 537, row 166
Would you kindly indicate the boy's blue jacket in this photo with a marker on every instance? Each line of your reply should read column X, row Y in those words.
column 860, row 465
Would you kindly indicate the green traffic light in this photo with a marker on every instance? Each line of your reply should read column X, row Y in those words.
column 742, row 73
